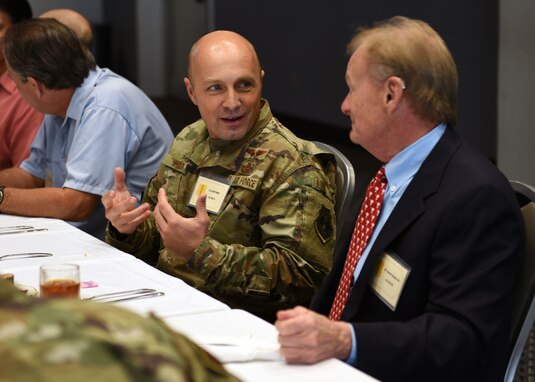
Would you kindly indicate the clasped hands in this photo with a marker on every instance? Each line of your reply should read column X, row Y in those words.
column 179, row 234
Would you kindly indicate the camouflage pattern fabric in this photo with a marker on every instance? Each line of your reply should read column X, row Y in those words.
column 72, row 340
column 271, row 244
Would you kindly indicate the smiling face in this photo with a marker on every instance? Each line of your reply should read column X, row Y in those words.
column 225, row 82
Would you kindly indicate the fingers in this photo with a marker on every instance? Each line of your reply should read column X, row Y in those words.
column 290, row 313
column 120, row 178
column 127, row 221
column 165, row 211
column 158, row 218
column 292, row 322
column 202, row 213
column 107, row 199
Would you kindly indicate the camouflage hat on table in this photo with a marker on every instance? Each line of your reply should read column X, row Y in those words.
column 73, row 340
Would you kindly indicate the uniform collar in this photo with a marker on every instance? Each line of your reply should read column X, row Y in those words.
column 229, row 154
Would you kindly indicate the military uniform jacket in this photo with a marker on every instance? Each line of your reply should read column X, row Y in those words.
column 71, row 340
column 271, row 243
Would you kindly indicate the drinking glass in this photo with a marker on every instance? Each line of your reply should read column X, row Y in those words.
column 59, row 280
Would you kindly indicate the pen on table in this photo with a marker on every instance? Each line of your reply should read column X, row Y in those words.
column 23, row 231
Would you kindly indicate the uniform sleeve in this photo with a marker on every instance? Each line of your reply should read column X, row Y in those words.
column 144, row 242
column 296, row 237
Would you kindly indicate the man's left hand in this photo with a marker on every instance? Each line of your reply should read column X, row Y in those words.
column 181, row 235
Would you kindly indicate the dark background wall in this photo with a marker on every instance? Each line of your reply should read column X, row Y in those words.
column 302, row 45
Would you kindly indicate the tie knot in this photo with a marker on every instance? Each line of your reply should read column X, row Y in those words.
column 380, row 177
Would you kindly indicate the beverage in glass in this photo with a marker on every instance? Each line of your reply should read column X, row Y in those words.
column 59, row 280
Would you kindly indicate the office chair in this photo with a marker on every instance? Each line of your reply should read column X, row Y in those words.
column 523, row 317
column 345, row 186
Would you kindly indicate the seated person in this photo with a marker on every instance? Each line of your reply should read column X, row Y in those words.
column 74, row 20
column 73, row 340
column 425, row 290
column 95, row 121
column 19, row 121
column 262, row 239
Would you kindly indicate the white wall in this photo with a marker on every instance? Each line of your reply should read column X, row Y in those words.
column 516, row 84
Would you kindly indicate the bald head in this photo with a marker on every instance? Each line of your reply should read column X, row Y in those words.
column 221, row 43
column 225, row 82
column 78, row 23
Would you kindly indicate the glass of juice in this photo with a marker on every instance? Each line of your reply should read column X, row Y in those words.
column 59, row 280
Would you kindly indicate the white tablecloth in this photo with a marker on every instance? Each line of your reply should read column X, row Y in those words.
column 100, row 264
column 246, row 344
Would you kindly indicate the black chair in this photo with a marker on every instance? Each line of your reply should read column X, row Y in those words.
column 345, row 186
column 522, row 351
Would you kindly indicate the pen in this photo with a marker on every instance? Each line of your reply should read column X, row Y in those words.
column 23, row 231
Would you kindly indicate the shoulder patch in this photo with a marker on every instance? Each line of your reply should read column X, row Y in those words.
column 323, row 224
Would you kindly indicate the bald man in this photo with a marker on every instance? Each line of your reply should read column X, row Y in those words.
column 74, row 20
column 240, row 208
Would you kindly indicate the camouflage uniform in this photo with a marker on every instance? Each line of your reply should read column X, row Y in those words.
column 271, row 244
column 71, row 340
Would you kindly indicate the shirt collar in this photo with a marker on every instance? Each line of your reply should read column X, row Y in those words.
column 407, row 162
column 7, row 83
column 81, row 93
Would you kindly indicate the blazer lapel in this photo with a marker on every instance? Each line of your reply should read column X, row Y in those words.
column 410, row 207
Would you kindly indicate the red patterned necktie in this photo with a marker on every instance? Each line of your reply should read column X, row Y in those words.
column 363, row 229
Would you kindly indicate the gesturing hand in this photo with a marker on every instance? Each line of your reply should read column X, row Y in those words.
column 120, row 206
column 179, row 234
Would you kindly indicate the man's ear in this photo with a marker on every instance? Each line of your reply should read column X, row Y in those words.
column 394, row 88
column 37, row 87
column 189, row 88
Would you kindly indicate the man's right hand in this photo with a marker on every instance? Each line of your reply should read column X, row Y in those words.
column 120, row 206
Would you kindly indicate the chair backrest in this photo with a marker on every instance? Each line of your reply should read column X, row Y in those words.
column 524, row 288
column 345, row 185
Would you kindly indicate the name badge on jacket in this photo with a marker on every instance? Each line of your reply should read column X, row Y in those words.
column 215, row 188
column 390, row 277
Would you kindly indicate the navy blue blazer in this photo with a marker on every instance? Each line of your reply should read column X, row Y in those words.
column 459, row 229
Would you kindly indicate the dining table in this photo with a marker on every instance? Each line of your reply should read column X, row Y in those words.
column 244, row 343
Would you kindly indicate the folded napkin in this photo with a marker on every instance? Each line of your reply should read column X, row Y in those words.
column 239, row 349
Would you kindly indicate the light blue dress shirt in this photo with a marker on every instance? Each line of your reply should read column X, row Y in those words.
column 110, row 123
column 399, row 173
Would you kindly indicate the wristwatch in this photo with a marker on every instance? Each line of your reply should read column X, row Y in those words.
column 2, row 194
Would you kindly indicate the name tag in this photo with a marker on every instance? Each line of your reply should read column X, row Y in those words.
column 390, row 277
column 215, row 188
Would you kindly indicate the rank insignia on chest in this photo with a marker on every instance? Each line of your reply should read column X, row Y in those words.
column 256, row 153
column 247, row 168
